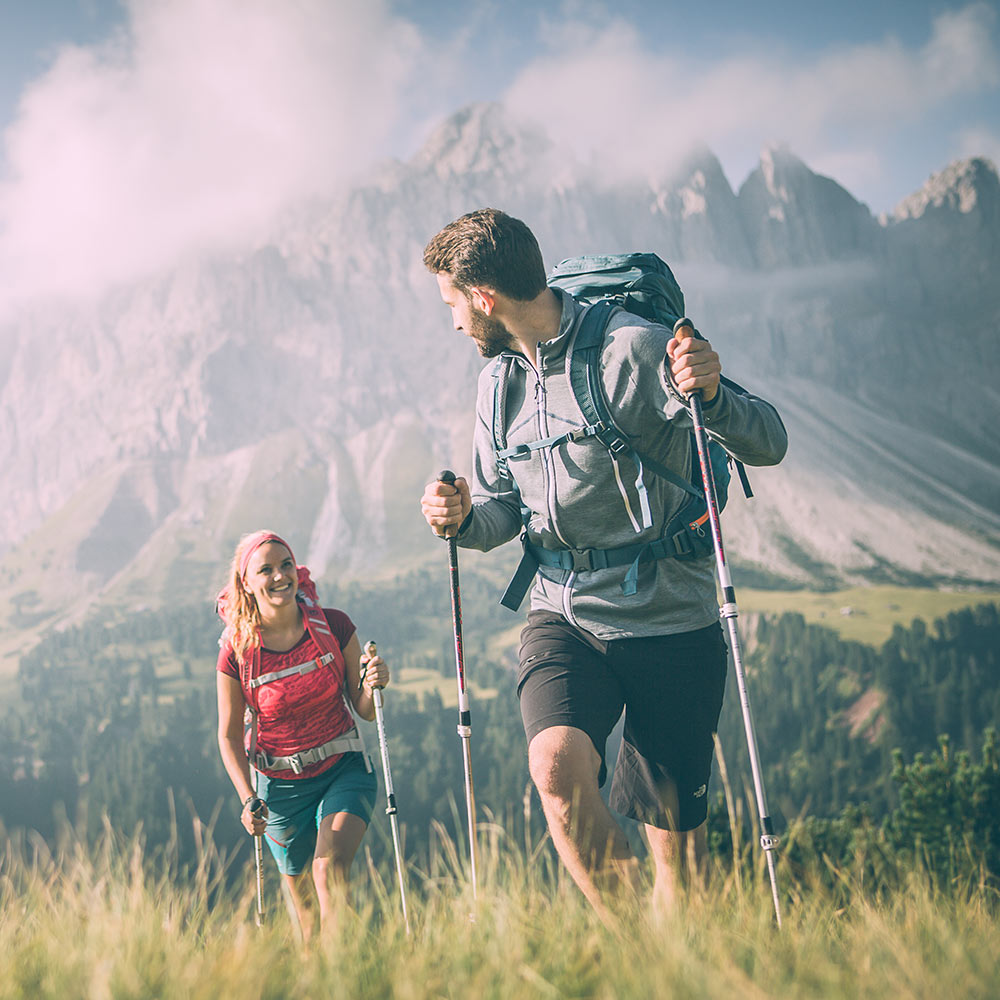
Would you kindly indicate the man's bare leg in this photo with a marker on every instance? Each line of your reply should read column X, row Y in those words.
column 564, row 766
column 679, row 859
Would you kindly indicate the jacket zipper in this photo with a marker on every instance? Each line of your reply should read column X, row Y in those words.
column 548, row 478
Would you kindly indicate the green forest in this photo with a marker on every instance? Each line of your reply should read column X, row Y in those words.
column 116, row 725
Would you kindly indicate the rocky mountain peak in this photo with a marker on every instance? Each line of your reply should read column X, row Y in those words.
column 963, row 186
column 480, row 138
column 949, row 233
column 783, row 174
column 700, row 179
column 794, row 215
column 340, row 323
column 697, row 207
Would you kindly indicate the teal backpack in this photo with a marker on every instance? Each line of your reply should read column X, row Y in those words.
column 643, row 284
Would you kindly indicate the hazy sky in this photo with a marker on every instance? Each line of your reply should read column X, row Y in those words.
column 133, row 132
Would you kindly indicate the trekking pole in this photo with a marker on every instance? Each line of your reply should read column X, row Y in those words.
column 464, row 715
column 729, row 611
column 390, row 795
column 256, row 807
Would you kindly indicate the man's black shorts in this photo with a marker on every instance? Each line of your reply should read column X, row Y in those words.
column 671, row 687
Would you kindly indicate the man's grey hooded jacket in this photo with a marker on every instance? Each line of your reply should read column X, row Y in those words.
column 581, row 498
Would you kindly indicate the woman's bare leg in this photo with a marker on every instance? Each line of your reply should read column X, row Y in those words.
column 337, row 842
column 292, row 889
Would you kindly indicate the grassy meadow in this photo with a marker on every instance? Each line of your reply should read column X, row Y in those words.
column 863, row 614
column 110, row 923
column 118, row 919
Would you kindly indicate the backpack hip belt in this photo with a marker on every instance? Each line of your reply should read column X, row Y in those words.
column 297, row 762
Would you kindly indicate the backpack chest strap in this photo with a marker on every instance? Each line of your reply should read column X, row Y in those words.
column 298, row 668
column 579, row 434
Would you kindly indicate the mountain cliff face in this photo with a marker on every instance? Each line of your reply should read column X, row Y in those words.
column 315, row 384
column 793, row 216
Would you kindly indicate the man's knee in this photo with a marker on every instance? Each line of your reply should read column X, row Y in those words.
column 669, row 847
column 563, row 763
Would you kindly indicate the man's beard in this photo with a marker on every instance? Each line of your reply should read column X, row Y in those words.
column 490, row 335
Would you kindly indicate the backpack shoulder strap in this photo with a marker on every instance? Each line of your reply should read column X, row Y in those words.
column 319, row 631
column 501, row 376
column 585, row 380
column 585, row 375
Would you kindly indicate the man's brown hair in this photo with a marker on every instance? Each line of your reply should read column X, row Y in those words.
column 489, row 249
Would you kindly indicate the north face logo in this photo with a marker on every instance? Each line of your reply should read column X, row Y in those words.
column 701, row 791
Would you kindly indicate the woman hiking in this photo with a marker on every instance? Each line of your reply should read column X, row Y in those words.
column 292, row 667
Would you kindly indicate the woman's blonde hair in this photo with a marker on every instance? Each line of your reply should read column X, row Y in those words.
column 237, row 606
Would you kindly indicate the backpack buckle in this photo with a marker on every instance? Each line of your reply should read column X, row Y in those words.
column 682, row 543
column 581, row 433
column 581, row 560
column 295, row 760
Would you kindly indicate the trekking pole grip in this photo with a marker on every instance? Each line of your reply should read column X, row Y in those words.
column 678, row 326
column 448, row 477
column 683, row 322
column 371, row 651
column 694, row 396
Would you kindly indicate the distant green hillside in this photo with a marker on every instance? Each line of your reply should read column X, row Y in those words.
column 113, row 716
column 864, row 614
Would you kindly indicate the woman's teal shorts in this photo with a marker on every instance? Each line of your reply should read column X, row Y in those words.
column 296, row 806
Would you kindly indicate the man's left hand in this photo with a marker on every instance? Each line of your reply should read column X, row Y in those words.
column 694, row 364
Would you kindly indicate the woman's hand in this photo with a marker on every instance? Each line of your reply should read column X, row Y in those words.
column 374, row 670
column 254, row 816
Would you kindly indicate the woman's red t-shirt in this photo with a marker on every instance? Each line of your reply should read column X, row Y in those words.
column 300, row 711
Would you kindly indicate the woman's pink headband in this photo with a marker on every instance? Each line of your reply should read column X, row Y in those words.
column 257, row 540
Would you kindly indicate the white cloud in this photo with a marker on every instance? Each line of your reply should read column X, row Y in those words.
column 190, row 129
column 203, row 119
column 606, row 92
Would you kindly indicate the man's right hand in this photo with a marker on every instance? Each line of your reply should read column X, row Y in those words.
column 446, row 505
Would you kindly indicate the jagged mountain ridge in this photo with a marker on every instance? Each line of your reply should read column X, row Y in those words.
column 315, row 383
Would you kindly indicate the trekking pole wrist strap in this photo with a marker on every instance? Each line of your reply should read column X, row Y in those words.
column 249, row 799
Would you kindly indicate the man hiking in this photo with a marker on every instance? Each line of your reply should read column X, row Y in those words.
column 594, row 642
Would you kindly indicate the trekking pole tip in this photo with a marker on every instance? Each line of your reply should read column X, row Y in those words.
column 446, row 476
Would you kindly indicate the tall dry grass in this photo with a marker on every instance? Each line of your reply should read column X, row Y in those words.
column 110, row 923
